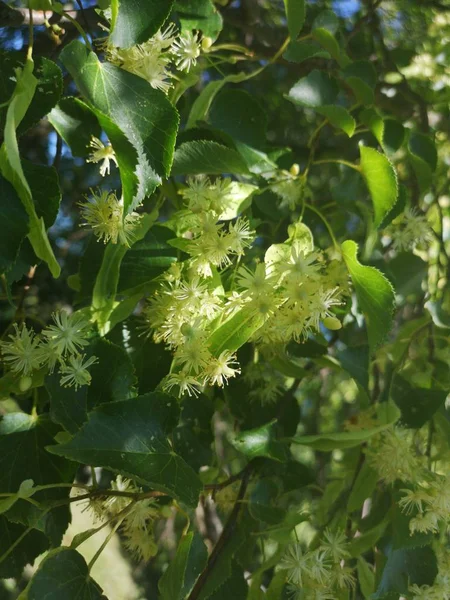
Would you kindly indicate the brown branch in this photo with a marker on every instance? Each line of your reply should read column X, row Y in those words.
column 225, row 536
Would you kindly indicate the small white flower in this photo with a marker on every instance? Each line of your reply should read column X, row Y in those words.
column 184, row 383
column 68, row 333
column 22, row 353
column 102, row 153
column 75, row 372
column 141, row 543
column 186, row 50
column 335, row 545
column 220, row 369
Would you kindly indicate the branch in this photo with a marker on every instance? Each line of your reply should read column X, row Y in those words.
column 225, row 536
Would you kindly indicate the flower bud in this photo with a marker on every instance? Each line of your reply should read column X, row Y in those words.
column 206, row 43
column 294, row 170
column 25, row 383
column 332, row 323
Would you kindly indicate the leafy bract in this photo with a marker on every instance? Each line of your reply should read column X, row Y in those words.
column 135, row 21
column 375, row 295
column 130, row 436
column 235, row 331
column 182, row 573
column 346, row 439
column 381, row 180
column 139, row 120
column 11, row 165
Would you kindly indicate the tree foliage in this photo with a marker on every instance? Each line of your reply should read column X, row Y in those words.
column 225, row 319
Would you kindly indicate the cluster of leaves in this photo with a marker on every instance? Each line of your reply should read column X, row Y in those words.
column 249, row 349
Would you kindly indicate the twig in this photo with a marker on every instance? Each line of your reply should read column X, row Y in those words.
column 225, row 536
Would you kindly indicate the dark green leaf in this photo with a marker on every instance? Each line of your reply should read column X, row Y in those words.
column 405, row 567
column 182, row 573
column 68, row 406
column 315, row 90
column 423, row 155
column 262, row 441
column 363, row 487
column 201, row 15
column 139, row 121
column 112, row 375
column 207, row 157
column 138, row 20
column 14, row 220
column 297, row 52
column 355, row 360
column 33, row 544
column 131, row 437
column 48, row 91
column 76, row 124
column 361, row 77
column 44, row 186
column 366, row 577
column 238, row 114
column 417, row 405
column 295, row 14
column 63, row 574
column 326, row 20
column 146, row 259
column 393, row 136
column 375, row 295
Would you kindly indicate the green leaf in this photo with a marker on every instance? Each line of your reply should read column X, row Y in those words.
column 261, row 441
column 62, row 574
column 32, row 544
column 346, row 439
column 393, row 136
column 207, row 157
column 23, row 455
column 381, row 180
column 328, row 42
column 76, row 124
column 367, row 540
column 319, row 90
column 138, row 20
column 417, row 405
column 366, row 577
column 375, row 295
column 295, row 14
column 363, row 487
column 107, row 278
column 11, row 166
column 182, row 573
column 44, row 186
column 47, row 93
column 355, row 360
column 339, row 117
column 238, row 198
column 235, row 332
column 315, row 90
column 423, row 155
column 68, row 406
column 405, row 567
column 146, row 259
column 200, row 15
column 361, row 76
column 14, row 220
column 326, row 19
column 130, row 437
column 440, row 316
column 139, row 121
column 239, row 114
column 297, row 52
column 112, row 374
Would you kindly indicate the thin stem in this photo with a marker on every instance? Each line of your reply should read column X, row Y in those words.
column 79, row 29
column 105, row 543
column 339, row 161
column 325, row 222
column 31, row 36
